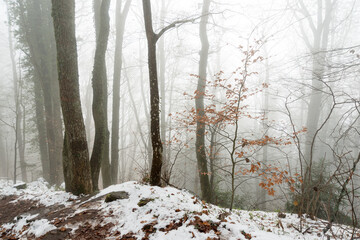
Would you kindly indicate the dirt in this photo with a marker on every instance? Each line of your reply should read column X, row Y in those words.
column 87, row 224
column 9, row 209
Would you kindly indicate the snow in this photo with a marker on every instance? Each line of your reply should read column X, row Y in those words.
column 40, row 227
column 166, row 206
column 37, row 227
column 172, row 204
column 38, row 191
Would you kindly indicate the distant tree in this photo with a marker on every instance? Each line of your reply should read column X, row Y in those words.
column 75, row 152
column 100, row 154
column 121, row 16
column 152, row 38
column 317, row 43
column 19, row 140
column 35, row 37
column 3, row 158
column 199, row 103
column 237, row 147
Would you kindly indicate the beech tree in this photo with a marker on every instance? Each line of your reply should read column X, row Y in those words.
column 152, row 38
column 100, row 154
column 121, row 16
column 199, row 103
column 224, row 118
column 317, row 44
column 75, row 152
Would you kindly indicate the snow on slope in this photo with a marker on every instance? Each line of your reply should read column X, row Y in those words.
column 167, row 213
column 38, row 191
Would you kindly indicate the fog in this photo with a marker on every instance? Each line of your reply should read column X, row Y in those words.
column 254, row 104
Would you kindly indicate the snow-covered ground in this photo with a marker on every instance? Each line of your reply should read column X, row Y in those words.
column 38, row 191
column 152, row 213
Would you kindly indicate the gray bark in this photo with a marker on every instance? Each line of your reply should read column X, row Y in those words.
column 41, row 127
column 199, row 105
column 162, row 65
column 100, row 154
column 155, row 176
column 120, row 26
column 75, row 152
column 3, row 159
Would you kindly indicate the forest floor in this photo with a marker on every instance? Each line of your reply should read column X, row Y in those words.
column 143, row 212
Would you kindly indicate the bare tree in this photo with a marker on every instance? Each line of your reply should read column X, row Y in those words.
column 199, row 103
column 152, row 38
column 19, row 141
column 36, row 39
column 75, row 152
column 121, row 16
column 318, row 46
column 100, row 154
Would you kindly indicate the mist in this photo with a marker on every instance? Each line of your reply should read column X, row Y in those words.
column 248, row 104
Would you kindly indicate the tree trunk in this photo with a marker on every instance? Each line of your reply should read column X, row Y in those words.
column 16, row 98
column 88, row 116
column 35, row 20
column 135, row 109
column 320, row 36
column 143, row 96
column 155, row 176
column 41, row 127
column 3, row 159
column 22, row 144
column 199, row 104
column 123, row 164
column 318, row 51
column 120, row 25
column 263, row 193
column 75, row 152
column 212, row 158
column 162, row 65
column 100, row 154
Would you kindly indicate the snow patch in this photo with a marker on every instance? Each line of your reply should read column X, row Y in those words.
column 40, row 227
column 38, row 190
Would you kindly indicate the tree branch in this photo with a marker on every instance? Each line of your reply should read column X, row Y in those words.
column 173, row 25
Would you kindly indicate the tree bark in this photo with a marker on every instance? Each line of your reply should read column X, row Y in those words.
column 41, row 127
column 120, row 25
column 162, row 66
column 199, row 104
column 3, row 158
column 143, row 96
column 155, row 175
column 100, row 154
column 18, row 135
column 75, row 152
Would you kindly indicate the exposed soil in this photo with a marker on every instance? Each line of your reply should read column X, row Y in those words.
column 87, row 224
column 10, row 209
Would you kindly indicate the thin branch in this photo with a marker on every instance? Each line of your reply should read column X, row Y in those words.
column 173, row 25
